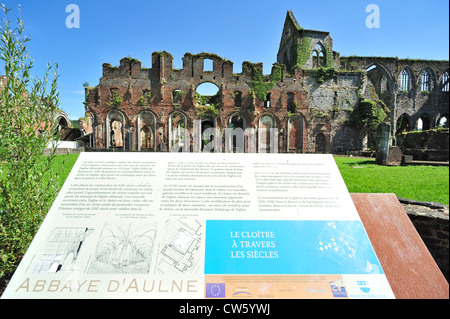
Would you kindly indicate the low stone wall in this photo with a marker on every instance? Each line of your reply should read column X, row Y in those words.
column 431, row 221
column 431, row 145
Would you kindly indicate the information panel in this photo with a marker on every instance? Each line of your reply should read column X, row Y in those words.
column 201, row 225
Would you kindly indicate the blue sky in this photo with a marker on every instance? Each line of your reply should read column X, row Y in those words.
column 243, row 30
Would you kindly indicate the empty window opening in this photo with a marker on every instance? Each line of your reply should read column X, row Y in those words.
column 237, row 99
column 383, row 84
column 443, row 122
column 176, row 96
column 177, row 133
column 318, row 55
column 290, row 103
column 404, row 84
column 115, row 129
column 426, row 81
column 62, row 124
column 116, row 134
column 445, row 82
column 267, row 101
column 237, row 125
column 147, row 131
column 403, row 123
column 321, row 59
column 207, row 94
column 315, row 56
column 207, row 65
column 207, row 134
column 423, row 124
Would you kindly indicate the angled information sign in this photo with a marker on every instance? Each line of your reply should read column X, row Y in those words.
column 189, row 225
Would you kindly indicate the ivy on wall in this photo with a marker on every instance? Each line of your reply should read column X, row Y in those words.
column 322, row 74
column 262, row 84
column 369, row 115
column 301, row 51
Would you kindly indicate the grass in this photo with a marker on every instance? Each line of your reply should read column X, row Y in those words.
column 422, row 183
column 362, row 175
column 70, row 161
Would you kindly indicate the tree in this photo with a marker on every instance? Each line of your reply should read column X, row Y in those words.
column 28, row 179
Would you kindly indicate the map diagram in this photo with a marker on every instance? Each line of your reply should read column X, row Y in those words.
column 124, row 249
column 62, row 249
column 178, row 251
column 336, row 244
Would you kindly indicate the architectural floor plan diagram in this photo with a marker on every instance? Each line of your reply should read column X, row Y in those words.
column 179, row 247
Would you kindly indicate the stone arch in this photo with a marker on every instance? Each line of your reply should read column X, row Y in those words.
column 236, row 139
column 319, row 54
column 115, row 130
column 90, row 128
column 207, row 93
column 62, row 122
column 403, row 123
column 295, row 134
column 423, row 122
column 380, row 77
column 207, row 129
column 267, row 141
column 178, row 132
column 146, row 131
column 321, row 143
column 443, row 121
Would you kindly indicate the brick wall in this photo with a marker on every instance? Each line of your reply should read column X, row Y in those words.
column 432, row 225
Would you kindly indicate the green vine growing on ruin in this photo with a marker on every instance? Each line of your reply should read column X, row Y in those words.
column 262, row 84
column 322, row 74
column 302, row 51
column 329, row 61
column 369, row 115
column 116, row 100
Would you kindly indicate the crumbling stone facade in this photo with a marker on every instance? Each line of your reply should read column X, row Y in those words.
column 309, row 98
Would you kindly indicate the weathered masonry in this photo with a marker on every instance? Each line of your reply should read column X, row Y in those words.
column 316, row 100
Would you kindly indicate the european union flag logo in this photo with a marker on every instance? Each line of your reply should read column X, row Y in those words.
column 215, row 290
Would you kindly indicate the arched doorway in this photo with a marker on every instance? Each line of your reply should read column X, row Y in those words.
column 177, row 132
column 321, row 145
column 295, row 134
column 146, row 131
column 115, row 123
column 236, row 136
column 207, row 134
column 267, row 141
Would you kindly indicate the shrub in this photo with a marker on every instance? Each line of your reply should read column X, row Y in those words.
column 28, row 181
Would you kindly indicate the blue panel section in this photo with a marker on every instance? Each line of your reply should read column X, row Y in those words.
column 288, row 247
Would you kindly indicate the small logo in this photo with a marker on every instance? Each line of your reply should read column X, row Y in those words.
column 215, row 290
column 363, row 286
column 338, row 289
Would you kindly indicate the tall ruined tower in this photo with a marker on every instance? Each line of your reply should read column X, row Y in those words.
column 305, row 48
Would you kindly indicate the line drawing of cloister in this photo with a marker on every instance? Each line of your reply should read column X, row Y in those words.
column 124, row 249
